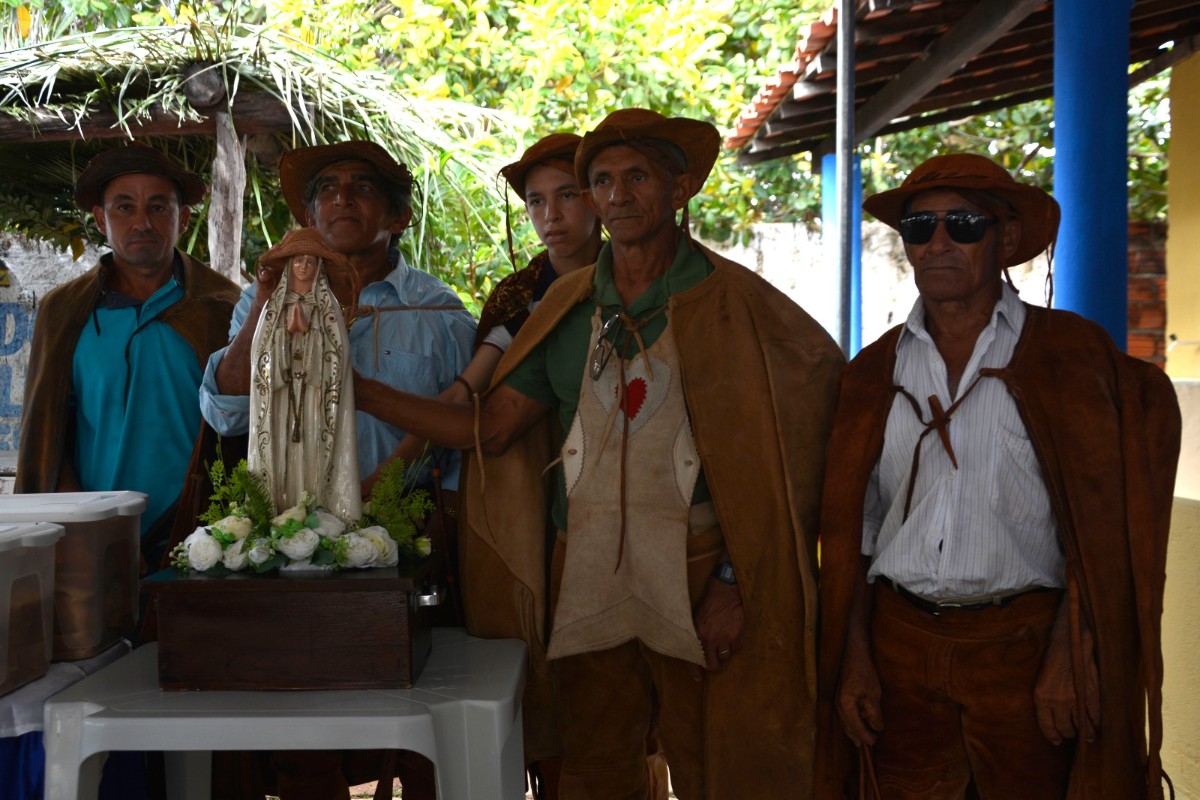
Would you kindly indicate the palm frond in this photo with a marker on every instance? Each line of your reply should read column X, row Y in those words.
column 136, row 73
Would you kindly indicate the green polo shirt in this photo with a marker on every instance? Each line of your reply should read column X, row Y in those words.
column 553, row 372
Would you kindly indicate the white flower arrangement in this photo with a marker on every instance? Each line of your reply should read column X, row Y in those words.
column 244, row 534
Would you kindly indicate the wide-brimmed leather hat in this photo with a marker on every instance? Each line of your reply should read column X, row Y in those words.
column 133, row 159
column 298, row 166
column 556, row 150
column 1038, row 211
column 301, row 242
column 699, row 141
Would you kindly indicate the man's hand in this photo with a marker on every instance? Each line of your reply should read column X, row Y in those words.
column 233, row 373
column 266, row 280
column 719, row 623
column 859, row 694
column 1054, row 693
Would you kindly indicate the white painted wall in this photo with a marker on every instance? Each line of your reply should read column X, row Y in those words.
column 33, row 270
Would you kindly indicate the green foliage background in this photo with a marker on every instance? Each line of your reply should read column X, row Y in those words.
column 564, row 64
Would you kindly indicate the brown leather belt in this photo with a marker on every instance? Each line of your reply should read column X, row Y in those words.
column 977, row 603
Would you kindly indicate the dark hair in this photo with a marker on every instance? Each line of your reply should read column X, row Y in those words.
column 399, row 196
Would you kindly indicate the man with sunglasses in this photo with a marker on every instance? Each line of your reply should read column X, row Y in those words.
column 671, row 408
column 994, row 526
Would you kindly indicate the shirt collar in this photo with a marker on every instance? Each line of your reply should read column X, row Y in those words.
column 1008, row 308
column 112, row 299
column 400, row 271
column 688, row 269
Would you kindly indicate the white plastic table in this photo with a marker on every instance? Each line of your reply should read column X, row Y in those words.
column 464, row 714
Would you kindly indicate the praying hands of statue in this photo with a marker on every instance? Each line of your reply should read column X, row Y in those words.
column 297, row 320
column 302, row 273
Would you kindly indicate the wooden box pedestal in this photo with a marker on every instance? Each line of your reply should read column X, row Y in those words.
column 353, row 629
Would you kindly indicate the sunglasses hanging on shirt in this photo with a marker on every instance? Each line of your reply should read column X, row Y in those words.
column 963, row 227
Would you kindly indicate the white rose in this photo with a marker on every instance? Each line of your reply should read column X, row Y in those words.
column 359, row 551
column 424, row 546
column 329, row 525
column 203, row 550
column 237, row 527
column 297, row 513
column 261, row 551
column 300, row 545
column 305, row 566
column 234, row 559
column 387, row 553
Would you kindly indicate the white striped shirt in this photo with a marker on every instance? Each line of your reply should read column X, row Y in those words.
column 985, row 527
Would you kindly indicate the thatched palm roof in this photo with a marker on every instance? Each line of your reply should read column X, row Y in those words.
column 62, row 101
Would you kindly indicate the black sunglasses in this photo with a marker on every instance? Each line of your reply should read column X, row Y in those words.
column 964, row 227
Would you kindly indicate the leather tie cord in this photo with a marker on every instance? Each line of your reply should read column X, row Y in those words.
column 633, row 327
column 939, row 421
column 359, row 312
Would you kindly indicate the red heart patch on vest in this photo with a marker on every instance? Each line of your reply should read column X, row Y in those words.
column 635, row 396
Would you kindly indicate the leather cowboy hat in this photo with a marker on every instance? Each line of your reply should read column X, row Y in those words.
column 556, row 150
column 301, row 242
column 133, row 159
column 1038, row 211
column 298, row 166
column 699, row 141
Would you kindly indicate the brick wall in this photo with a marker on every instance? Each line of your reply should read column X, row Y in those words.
column 1148, row 291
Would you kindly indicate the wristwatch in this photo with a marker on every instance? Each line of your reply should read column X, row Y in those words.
column 724, row 573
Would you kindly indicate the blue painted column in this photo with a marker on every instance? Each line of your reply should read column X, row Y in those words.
column 831, row 236
column 1091, row 58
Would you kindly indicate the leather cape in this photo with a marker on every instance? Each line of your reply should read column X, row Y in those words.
column 760, row 380
column 1105, row 428
column 201, row 317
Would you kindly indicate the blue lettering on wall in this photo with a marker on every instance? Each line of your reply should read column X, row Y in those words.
column 7, row 407
column 16, row 327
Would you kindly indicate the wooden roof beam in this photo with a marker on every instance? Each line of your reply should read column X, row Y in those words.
column 252, row 113
column 971, row 35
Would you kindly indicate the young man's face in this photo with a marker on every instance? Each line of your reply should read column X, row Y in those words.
column 141, row 217
column 564, row 223
column 351, row 211
column 635, row 197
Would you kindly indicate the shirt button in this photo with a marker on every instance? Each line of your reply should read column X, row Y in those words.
column 953, row 474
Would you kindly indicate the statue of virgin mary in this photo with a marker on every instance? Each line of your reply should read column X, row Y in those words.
column 302, row 436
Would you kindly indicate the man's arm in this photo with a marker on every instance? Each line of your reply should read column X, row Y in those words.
column 477, row 375
column 1054, row 694
column 233, row 370
column 503, row 417
column 859, row 691
column 720, row 620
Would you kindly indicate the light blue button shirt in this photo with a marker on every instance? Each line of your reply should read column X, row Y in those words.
column 135, row 419
column 418, row 351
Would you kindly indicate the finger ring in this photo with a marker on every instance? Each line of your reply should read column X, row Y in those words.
column 723, row 652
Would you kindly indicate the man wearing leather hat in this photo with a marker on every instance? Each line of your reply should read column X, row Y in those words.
column 994, row 526
column 117, row 354
column 407, row 329
column 684, row 405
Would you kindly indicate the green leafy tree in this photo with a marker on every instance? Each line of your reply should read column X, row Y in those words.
column 562, row 65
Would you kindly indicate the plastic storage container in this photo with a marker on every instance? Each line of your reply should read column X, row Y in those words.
column 97, row 564
column 26, row 601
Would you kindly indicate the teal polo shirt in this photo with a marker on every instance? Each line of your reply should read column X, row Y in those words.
column 134, row 390
column 553, row 372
